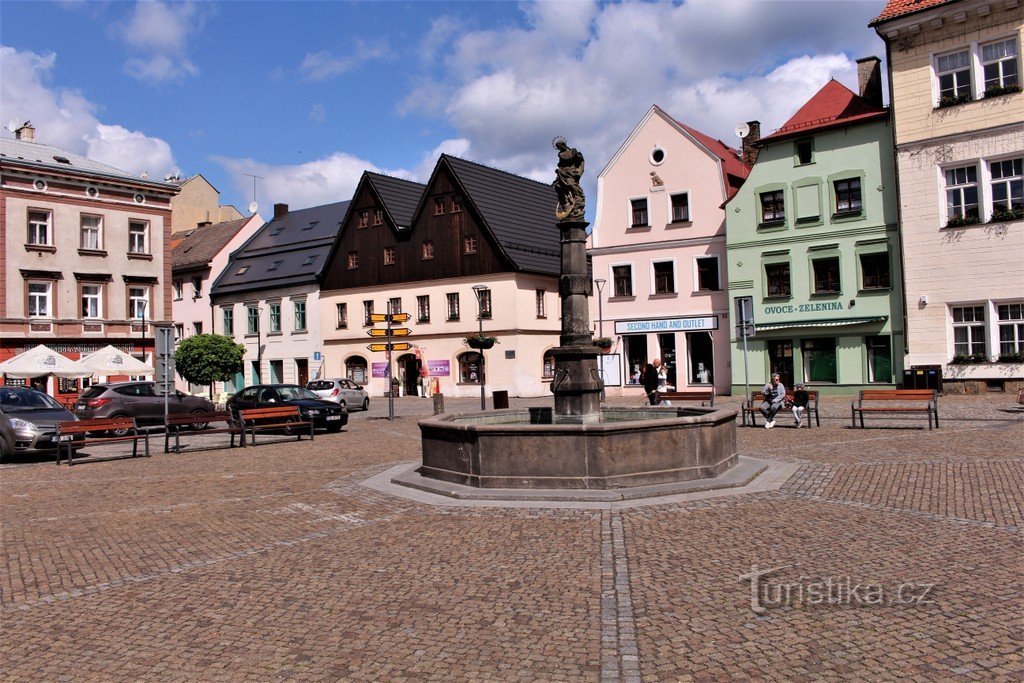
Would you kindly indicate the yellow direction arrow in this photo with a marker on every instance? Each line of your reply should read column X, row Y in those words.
column 400, row 317
column 395, row 332
column 383, row 346
column 378, row 317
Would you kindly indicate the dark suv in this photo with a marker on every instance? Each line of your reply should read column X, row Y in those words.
column 136, row 399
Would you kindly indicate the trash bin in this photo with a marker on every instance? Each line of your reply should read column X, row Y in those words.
column 500, row 399
column 438, row 404
column 923, row 377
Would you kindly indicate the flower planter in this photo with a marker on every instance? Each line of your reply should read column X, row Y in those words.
column 480, row 344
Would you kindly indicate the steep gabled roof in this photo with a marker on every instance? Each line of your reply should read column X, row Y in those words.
column 298, row 243
column 399, row 197
column 895, row 9
column 732, row 164
column 834, row 105
column 199, row 246
column 518, row 212
column 48, row 156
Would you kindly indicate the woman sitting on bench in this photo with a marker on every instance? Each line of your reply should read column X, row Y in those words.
column 774, row 396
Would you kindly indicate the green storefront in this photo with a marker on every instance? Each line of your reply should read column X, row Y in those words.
column 812, row 240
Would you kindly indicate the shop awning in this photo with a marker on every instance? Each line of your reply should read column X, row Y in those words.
column 113, row 361
column 42, row 361
column 845, row 322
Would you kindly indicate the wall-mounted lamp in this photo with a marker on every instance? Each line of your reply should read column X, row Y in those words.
column 923, row 300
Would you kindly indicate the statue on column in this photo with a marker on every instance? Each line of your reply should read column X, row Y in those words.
column 571, row 202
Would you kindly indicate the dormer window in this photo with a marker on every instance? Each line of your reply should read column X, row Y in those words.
column 804, row 151
column 364, row 219
column 378, row 216
column 309, row 260
column 243, row 270
column 456, row 203
column 438, row 206
column 274, row 265
column 312, row 224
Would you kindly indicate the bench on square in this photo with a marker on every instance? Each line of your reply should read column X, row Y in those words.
column 282, row 417
column 703, row 395
column 122, row 428
column 906, row 400
column 751, row 407
column 198, row 423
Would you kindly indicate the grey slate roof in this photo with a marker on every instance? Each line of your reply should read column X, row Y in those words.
column 519, row 212
column 45, row 156
column 298, row 243
column 400, row 197
column 199, row 246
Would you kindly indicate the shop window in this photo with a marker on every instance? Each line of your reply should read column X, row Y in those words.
column 702, row 359
column 879, row 359
column 664, row 277
column 1011, row 328
column 639, row 212
column 470, row 368
column 549, row 365
column 634, row 348
column 968, row 330
column 875, row 273
column 355, row 369
column 777, row 279
column 623, row 279
column 820, row 360
column 826, row 275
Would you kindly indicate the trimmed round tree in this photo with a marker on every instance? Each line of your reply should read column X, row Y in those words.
column 207, row 358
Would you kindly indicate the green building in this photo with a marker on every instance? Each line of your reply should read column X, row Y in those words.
column 812, row 239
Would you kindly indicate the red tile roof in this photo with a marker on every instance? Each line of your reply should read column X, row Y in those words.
column 732, row 165
column 833, row 105
column 898, row 8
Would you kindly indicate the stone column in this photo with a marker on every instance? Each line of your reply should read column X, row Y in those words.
column 577, row 382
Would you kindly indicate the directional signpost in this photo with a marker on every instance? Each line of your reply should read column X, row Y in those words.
column 389, row 333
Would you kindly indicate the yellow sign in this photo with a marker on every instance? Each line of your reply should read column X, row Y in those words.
column 378, row 317
column 395, row 317
column 400, row 317
column 395, row 332
column 383, row 346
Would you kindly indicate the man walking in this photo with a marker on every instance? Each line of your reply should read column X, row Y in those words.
column 774, row 397
column 650, row 380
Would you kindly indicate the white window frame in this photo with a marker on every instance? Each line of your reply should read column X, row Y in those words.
column 629, row 213
column 133, row 301
column 696, row 273
column 179, row 331
column 96, row 299
column 979, row 182
column 197, row 327
column 295, row 315
column 46, row 296
column 82, row 231
column 178, row 290
column 275, row 325
column 341, row 309
column 1016, row 323
column 971, row 51
column 984, row 325
column 632, row 278
column 669, row 209
column 33, row 226
column 990, row 206
column 1001, row 60
column 132, row 234
column 675, row 277
column 197, row 287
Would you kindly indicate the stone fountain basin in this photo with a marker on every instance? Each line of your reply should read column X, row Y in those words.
column 628, row 447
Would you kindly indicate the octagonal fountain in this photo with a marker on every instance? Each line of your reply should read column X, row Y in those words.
column 577, row 444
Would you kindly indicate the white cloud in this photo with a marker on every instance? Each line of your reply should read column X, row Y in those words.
column 67, row 119
column 159, row 34
column 323, row 65
column 590, row 71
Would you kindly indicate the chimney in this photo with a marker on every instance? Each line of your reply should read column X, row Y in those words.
column 869, row 80
column 750, row 149
column 26, row 132
column 203, row 224
column 280, row 210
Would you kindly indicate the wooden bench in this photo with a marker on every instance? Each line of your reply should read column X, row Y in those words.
column 186, row 424
column 100, row 425
column 281, row 417
column 751, row 407
column 928, row 397
column 702, row 395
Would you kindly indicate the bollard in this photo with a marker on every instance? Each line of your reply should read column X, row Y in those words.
column 500, row 400
column 438, row 404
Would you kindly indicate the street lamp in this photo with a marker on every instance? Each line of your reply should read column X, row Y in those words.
column 600, row 282
column 479, row 291
column 142, row 310
column 259, row 346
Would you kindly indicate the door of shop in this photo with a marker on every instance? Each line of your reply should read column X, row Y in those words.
column 301, row 371
column 780, row 359
column 667, row 343
column 409, row 370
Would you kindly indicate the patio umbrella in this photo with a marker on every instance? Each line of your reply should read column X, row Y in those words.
column 113, row 361
column 42, row 360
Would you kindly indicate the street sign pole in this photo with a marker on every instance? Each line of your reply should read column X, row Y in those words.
column 165, row 354
column 391, row 389
column 744, row 329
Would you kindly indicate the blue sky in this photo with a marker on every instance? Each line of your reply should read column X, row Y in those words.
column 309, row 94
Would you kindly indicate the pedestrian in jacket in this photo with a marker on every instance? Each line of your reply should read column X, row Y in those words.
column 774, row 398
column 650, row 380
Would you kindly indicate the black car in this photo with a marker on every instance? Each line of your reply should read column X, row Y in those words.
column 323, row 414
column 32, row 417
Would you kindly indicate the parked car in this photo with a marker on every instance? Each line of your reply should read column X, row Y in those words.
column 342, row 391
column 6, row 436
column 323, row 414
column 139, row 400
column 33, row 417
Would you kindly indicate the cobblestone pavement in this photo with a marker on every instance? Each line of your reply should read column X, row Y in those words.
column 274, row 563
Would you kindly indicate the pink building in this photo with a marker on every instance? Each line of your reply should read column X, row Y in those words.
column 658, row 249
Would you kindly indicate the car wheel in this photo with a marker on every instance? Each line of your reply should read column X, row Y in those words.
column 6, row 449
column 199, row 425
column 366, row 403
column 119, row 432
column 334, row 429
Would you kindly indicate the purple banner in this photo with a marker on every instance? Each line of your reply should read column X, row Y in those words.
column 439, row 368
column 379, row 370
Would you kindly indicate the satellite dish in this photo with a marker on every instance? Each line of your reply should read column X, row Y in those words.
column 13, row 125
column 253, row 207
column 742, row 130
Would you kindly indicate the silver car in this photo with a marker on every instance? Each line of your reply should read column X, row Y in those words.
column 33, row 418
column 344, row 392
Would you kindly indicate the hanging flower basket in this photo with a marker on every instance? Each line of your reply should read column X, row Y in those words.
column 604, row 343
column 480, row 343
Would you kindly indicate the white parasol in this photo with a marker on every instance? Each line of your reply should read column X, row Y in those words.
column 113, row 361
column 40, row 361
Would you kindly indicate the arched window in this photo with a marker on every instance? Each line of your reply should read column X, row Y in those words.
column 549, row 365
column 470, row 368
column 355, row 369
